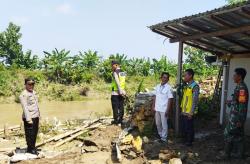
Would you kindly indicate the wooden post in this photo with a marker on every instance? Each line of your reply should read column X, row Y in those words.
column 224, row 92
column 178, row 81
column 6, row 131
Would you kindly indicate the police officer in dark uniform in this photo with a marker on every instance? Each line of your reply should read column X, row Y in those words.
column 234, row 131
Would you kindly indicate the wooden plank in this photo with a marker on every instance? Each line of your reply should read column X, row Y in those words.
column 16, row 127
column 67, row 134
column 77, row 134
column 60, row 136
column 212, row 34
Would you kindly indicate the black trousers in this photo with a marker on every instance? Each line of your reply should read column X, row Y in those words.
column 187, row 129
column 31, row 131
column 117, row 102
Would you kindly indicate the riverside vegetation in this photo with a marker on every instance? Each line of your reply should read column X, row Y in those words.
column 63, row 76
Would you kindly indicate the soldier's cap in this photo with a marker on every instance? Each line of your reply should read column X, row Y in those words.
column 113, row 62
column 29, row 80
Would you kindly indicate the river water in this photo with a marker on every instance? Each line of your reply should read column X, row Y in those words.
column 11, row 114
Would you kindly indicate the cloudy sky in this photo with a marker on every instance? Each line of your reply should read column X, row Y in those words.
column 106, row 26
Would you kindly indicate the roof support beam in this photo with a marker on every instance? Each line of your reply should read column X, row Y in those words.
column 188, row 43
column 223, row 22
column 203, row 48
column 181, row 34
column 213, row 34
column 221, row 37
column 162, row 33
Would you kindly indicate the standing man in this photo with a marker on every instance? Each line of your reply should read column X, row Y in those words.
column 31, row 114
column 234, row 131
column 118, row 92
column 189, row 103
column 162, row 104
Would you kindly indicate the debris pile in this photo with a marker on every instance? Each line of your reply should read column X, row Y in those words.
column 65, row 135
column 207, row 86
column 142, row 116
column 131, row 146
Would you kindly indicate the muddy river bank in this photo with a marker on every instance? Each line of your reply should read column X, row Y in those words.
column 11, row 114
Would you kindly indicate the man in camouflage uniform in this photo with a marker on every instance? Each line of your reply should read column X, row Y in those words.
column 234, row 131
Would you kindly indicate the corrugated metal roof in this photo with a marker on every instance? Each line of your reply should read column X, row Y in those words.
column 217, row 20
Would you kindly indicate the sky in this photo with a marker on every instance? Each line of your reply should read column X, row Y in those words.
column 105, row 26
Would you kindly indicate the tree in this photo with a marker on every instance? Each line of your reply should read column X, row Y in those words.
column 27, row 61
column 89, row 59
column 10, row 48
column 57, row 65
column 164, row 64
column 195, row 59
column 235, row 1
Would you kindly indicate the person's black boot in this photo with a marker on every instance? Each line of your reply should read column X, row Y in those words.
column 228, row 150
column 241, row 150
column 34, row 151
column 114, row 122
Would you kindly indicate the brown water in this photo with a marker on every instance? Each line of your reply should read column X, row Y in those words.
column 12, row 113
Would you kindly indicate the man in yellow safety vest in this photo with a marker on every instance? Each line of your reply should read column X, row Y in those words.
column 189, row 102
column 118, row 92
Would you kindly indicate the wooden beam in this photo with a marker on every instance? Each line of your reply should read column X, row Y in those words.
column 162, row 33
column 203, row 48
column 182, row 34
column 223, row 22
column 221, row 37
column 190, row 44
column 241, row 55
column 212, row 34
column 243, row 9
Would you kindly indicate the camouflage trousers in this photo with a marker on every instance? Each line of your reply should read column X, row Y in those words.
column 234, row 140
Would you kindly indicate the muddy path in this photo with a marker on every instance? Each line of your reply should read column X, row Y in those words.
column 207, row 148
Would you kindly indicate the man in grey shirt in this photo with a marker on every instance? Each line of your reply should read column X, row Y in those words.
column 31, row 114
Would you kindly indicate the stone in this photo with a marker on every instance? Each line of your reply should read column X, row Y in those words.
column 154, row 162
column 125, row 147
column 4, row 157
column 90, row 149
column 164, row 157
column 190, row 155
column 175, row 161
column 128, row 139
column 21, row 156
column 145, row 139
column 137, row 143
column 132, row 154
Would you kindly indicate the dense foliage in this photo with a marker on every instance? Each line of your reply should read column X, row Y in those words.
column 60, row 66
column 235, row 1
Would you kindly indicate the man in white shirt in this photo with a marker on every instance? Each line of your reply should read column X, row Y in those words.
column 162, row 105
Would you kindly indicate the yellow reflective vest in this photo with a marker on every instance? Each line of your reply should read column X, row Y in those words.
column 122, row 80
column 187, row 98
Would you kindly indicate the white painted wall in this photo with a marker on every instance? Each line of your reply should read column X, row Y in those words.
column 243, row 63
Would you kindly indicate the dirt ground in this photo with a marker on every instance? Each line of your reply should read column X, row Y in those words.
column 207, row 148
